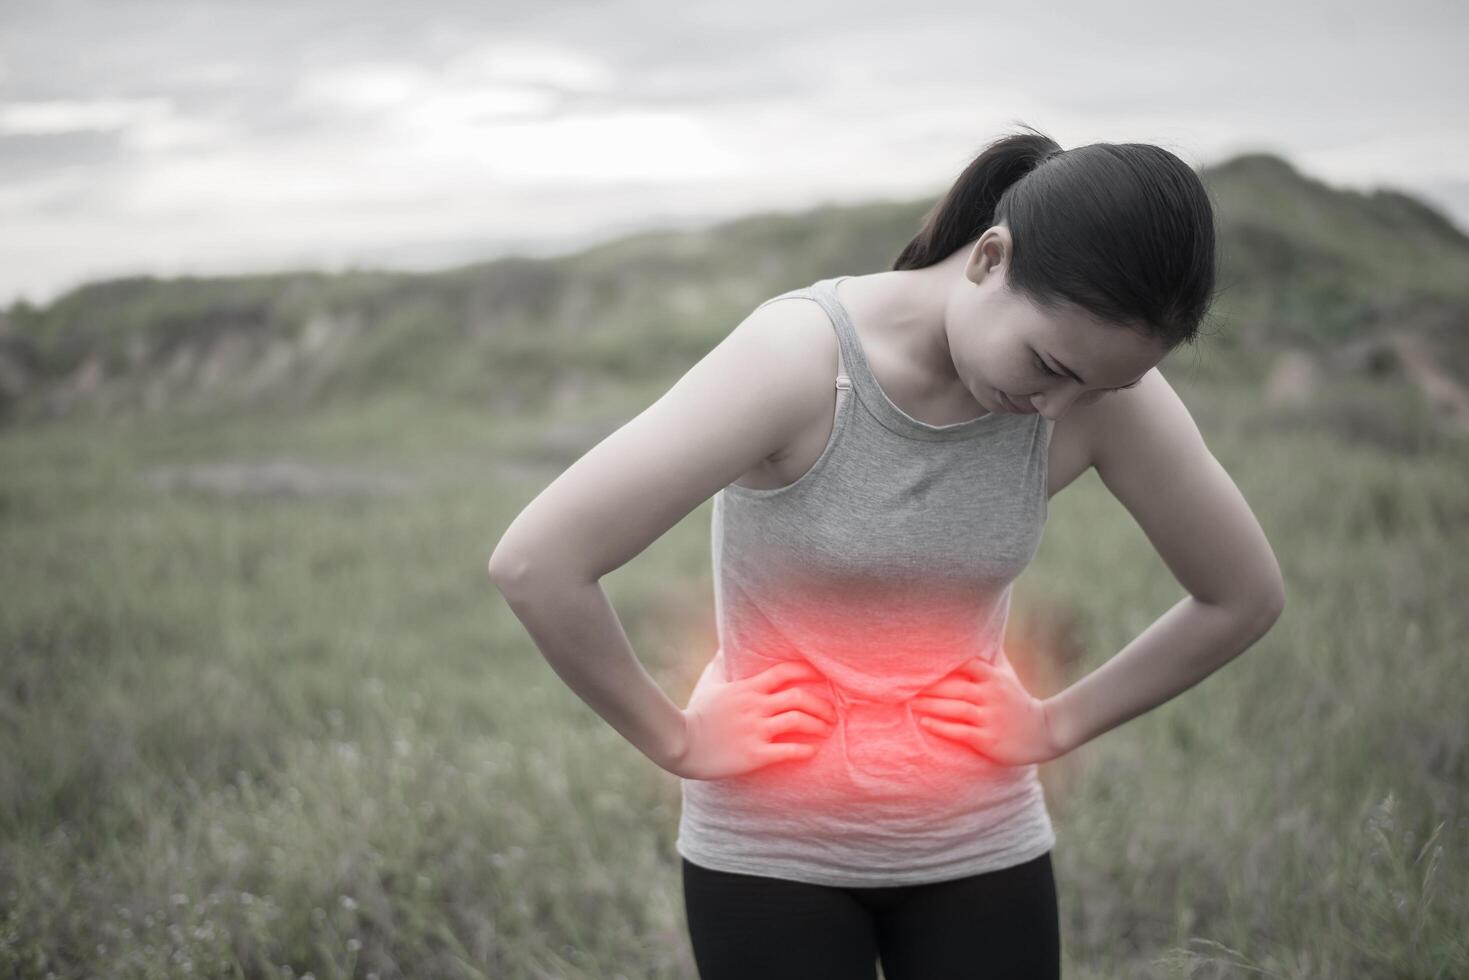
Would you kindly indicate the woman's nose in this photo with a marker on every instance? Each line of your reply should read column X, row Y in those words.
column 1055, row 405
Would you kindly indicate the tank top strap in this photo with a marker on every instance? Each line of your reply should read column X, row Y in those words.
column 853, row 360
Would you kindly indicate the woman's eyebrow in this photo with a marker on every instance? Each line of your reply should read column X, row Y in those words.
column 1076, row 376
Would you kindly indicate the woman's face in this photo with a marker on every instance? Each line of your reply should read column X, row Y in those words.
column 1015, row 357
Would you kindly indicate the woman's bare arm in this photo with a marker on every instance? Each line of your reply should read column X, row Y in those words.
column 1150, row 454
column 740, row 404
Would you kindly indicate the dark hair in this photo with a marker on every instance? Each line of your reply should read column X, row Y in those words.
column 1125, row 231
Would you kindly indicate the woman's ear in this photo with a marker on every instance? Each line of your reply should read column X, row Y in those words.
column 990, row 251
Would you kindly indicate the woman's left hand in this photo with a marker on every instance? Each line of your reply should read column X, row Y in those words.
column 987, row 709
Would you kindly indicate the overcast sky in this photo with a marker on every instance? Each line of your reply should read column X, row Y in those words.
column 208, row 136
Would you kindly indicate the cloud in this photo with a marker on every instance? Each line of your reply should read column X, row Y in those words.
column 27, row 156
column 68, row 115
column 170, row 131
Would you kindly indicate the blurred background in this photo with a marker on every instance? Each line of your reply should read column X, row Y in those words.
column 301, row 303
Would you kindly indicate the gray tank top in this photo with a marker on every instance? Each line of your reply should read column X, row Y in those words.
column 885, row 566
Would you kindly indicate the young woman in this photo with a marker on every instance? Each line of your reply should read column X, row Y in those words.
column 858, row 759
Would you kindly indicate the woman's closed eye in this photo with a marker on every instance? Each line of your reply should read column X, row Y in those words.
column 1046, row 368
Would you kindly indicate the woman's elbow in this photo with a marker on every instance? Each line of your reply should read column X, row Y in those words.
column 1271, row 603
column 509, row 569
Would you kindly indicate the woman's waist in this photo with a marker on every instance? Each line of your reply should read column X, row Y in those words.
column 827, row 788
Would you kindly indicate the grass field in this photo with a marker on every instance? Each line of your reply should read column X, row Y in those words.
column 267, row 734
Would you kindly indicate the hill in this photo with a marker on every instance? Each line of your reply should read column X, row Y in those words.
column 1303, row 265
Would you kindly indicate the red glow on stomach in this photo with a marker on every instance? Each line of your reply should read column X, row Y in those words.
column 874, row 657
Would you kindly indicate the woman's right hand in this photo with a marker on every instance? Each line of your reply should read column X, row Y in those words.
column 729, row 725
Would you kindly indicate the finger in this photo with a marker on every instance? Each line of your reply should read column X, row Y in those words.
column 966, row 734
column 794, row 721
column 978, row 669
column 956, row 710
column 798, row 697
column 782, row 751
column 783, row 673
column 955, row 687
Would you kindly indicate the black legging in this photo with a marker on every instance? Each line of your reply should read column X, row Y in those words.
column 1001, row 925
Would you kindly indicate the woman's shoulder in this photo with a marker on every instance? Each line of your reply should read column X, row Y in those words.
column 796, row 329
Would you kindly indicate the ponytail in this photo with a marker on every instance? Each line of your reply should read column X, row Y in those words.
column 968, row 209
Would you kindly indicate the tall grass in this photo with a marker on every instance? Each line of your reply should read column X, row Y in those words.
column 259, row 736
